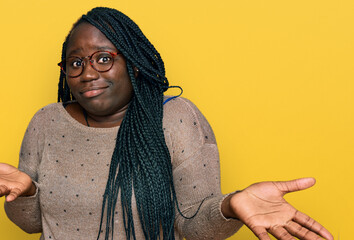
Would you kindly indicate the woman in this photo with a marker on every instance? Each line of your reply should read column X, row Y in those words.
column 114, row 157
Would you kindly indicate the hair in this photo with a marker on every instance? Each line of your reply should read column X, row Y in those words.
column 141, row 162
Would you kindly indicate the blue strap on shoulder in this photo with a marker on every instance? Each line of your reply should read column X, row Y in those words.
column 173, row 97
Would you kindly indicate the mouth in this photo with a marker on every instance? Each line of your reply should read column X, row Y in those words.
column 91, row 92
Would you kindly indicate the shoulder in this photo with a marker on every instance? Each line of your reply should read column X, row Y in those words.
column 180, row 110
column 181, row 113
column 186, row 129
column 44, row 115
column 47, row 110
column 38, row 127
column 179, row 104
column 183, row 110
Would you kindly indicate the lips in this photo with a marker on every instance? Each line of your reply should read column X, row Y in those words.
column 93, row 91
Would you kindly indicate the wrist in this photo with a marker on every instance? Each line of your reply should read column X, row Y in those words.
column 226, row 206
column 31, row 191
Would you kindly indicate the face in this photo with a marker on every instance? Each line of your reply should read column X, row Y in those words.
column 99, row 93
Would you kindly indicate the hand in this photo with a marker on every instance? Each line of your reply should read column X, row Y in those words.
column 14, row 183
column 262, row 208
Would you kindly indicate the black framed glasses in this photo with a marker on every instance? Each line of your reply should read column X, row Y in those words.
column 101, row 61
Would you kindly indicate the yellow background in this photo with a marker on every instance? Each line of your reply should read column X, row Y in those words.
column 274, row 79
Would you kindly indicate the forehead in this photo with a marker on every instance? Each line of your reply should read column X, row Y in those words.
column 85, row 38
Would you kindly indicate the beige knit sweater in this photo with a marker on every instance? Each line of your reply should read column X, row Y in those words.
column 69, row 163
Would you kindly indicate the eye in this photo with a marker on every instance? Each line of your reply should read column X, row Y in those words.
column 74, row 63
column 104, row 58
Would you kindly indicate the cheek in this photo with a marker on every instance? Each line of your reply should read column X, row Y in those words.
column 123, row 88
column 72, row 84
column 121, row 79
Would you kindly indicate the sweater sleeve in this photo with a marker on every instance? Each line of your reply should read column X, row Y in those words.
column 25, row 211
column 196, row 174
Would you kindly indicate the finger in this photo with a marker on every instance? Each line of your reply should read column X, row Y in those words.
column 4, row 190
column 261, row 233
column 295, row 185
column 312, row 225
column 300, row 232
column 280, row 233
column 13, row 194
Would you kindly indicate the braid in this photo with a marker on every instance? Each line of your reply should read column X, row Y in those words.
column 64, row 93
column 141, row 163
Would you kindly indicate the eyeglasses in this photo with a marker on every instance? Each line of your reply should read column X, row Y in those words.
column 101, row 61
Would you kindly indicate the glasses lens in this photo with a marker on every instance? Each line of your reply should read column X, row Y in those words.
column 73, row 66
column 102, row 61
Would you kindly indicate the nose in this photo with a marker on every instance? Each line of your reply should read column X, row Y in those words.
column 88, row 73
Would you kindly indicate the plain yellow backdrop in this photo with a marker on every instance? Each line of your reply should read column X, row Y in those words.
column 274, row 79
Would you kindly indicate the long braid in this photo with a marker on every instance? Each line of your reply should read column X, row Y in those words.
column 141, row 162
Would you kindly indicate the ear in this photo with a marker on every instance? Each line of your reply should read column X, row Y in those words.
column 136, row 72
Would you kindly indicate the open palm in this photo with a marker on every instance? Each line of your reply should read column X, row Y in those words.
column 14, row 183
column 262, row 208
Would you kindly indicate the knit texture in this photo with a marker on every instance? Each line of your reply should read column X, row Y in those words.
column 69, row 163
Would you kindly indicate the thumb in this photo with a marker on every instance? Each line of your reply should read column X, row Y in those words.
column 295, row 185
column 13, row 194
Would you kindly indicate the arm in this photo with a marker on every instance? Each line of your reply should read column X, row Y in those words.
column 201, row 188
column 261, row 206
column 196, row 173
column 24, row 211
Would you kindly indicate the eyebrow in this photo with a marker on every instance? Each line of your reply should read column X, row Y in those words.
column 100, row 48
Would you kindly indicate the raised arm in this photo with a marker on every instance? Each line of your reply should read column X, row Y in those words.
column 196, row 173
column 22, row 203
column 206, row 213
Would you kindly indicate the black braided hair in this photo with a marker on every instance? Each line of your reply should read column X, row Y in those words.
column 141, row 162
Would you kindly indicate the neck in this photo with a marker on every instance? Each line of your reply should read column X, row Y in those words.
column 105, row 121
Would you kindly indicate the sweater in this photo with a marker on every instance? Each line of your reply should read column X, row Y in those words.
column 69, row 164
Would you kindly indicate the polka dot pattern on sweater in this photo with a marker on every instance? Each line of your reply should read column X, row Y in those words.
column 75, row 160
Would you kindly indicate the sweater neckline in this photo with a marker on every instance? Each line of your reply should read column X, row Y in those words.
column 77, row 124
